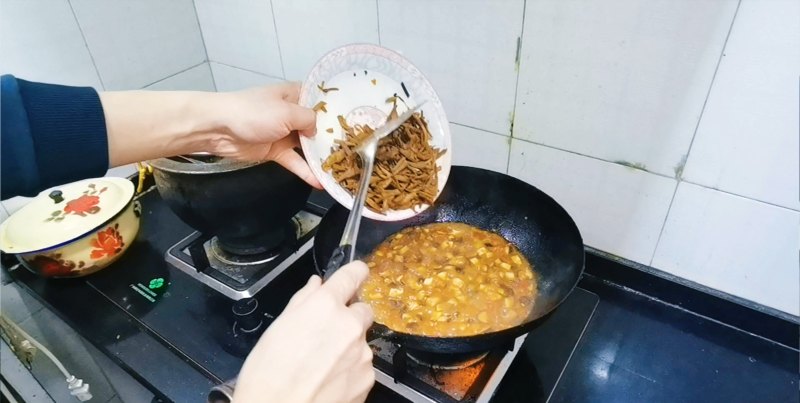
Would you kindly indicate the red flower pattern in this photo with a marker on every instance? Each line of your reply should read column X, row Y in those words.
column 88, row 203
column 52, row 266
column 108, row 243
column 82, row 205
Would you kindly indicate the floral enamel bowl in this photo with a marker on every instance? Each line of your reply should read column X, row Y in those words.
column 362, row 75
column 73, row 230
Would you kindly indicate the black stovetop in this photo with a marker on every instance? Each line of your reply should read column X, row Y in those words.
column 194, row 322
column 636, row 347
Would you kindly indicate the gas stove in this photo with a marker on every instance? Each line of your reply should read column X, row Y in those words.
column 210, row 308
column 242, row 276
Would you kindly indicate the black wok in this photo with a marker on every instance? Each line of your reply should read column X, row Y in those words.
column 521, row 213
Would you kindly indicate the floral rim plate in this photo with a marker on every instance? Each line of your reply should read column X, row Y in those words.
column 360, row 75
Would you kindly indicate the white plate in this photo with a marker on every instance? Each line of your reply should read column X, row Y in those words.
column 366, row 75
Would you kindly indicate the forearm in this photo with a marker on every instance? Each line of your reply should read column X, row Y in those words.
column 145, row 125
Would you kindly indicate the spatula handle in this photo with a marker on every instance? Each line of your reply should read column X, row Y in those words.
column 341, row 256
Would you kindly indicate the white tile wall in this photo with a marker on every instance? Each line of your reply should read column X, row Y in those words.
column 135, row 44
column 228, row 78
column 197, row 78
column 619, row 210
column 122, row 171
column 736, row 245
column 41, row 41
column 241, row 33
column 478, row 148
column 466, row 48
column 747, row 141
column 15, row 203
column 307, row 29
column 621, row 79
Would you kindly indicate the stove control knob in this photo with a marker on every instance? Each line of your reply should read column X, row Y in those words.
column 247, row 317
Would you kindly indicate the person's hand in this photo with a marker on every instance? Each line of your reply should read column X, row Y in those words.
column 262, row 124
column 255, row 124
column 316, row 350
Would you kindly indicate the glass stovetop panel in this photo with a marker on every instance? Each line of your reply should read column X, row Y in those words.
column 194, row 321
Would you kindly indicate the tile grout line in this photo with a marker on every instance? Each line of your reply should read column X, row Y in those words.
column 88, row 50
column 594, row 158
column 742, row 196
column 483, row 130
column 277, row 39
column 711, row 84
column 647, row 172
column 679, row 177
column 175, row 74
column 378, row 16
column 247, row 70
column 478, row 129
column 517, row 64
column 203, row 40
column 664, row 223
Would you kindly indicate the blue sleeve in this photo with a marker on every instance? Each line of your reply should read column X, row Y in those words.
column 49, row 135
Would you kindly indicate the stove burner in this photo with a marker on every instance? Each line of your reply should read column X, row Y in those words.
column 217, row 252
column 268, row 242
column 447, row 378
column 210, row 260
column 446, row 361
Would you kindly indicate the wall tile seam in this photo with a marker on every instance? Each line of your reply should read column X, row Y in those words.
column 86, row 44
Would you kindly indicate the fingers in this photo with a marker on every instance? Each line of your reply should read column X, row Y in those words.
column 297, row 117
column 292, row 161
column 289, row 92
column 302, row 119
column 312, row 285
column 362, row 312
column 345, row 282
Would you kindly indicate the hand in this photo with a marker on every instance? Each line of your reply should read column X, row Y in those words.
column 316, row 350
column 262, row 124
column 256, row 124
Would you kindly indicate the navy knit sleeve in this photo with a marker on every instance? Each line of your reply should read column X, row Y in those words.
column 51, row 135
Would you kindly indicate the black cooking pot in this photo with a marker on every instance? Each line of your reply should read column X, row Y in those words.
column 522, row 214
column 247, row 205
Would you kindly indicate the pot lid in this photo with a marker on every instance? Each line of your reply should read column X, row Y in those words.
column 63, row 213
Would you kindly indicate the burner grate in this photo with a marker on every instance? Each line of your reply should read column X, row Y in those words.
column 238, row 276
column 423, row 377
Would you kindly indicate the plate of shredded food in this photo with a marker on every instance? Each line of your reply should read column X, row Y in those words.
column 412, row 163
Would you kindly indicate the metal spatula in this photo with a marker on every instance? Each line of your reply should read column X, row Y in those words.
column 366, row 151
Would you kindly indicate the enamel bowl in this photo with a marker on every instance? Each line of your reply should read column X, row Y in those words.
column 366, row 76
column 75, row 229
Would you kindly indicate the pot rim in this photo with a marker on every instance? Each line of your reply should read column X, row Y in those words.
column 172, row 165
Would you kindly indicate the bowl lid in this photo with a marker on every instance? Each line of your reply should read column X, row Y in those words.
column 364, row 75
column 64, row 213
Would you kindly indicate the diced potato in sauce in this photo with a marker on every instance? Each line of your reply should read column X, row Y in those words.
column 470, row 282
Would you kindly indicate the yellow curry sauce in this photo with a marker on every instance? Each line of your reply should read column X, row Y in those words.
column 448, row 279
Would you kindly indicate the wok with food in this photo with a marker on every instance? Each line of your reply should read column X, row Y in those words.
column 485, row 229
